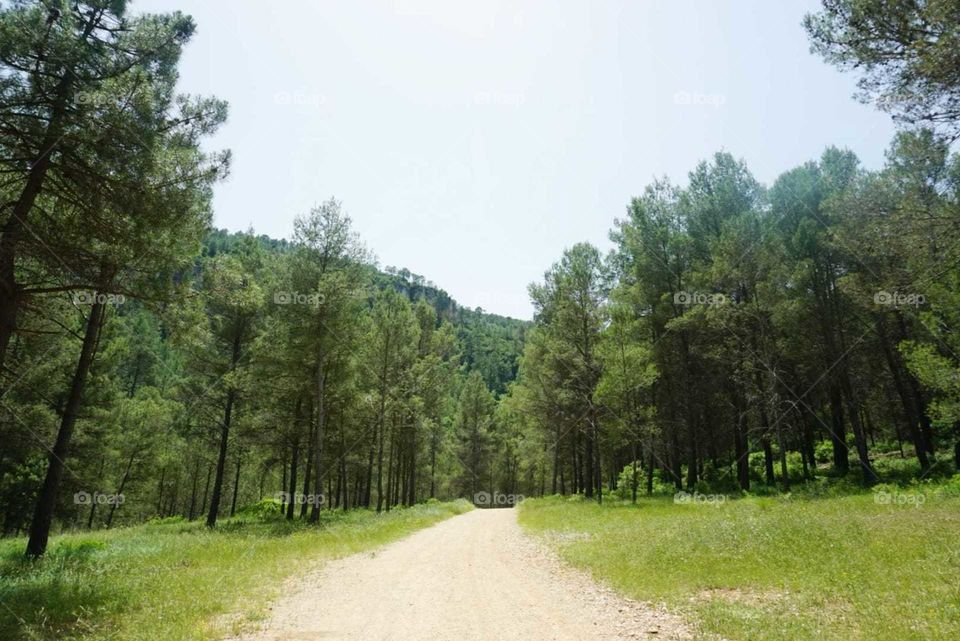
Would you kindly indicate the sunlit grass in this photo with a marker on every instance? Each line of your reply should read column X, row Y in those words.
column 783, row 568
column 178, row 580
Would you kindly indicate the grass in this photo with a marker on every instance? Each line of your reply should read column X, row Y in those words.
column 179, row 580
column 778, row 568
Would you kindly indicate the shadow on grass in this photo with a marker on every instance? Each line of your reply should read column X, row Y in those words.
column 56, row 597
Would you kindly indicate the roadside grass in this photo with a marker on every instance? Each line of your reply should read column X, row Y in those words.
column 178, row 580
column 873, row 566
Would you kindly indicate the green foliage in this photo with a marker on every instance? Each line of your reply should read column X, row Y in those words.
column 262, row 510
column 906, row 53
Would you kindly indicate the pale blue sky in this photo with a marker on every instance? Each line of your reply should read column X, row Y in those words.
column 473, row 142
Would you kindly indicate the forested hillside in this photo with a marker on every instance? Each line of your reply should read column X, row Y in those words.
column 270, row 352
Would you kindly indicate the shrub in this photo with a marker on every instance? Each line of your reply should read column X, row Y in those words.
column 823, row 452
column 262, row 510
column 624, row 489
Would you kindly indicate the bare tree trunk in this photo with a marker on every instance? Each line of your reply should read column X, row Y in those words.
column 47, row 500
column 294, row 456
column 159, row 508
column 741, row 447
column 193, row 490
column 768, row 459
column 318, row 446
column 311, row 444
column 784, row 471
column 380, row 464
column 368, row 485
column 206, row 490
column 224, row 436
column 236, row 483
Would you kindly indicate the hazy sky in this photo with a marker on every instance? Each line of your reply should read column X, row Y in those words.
column 471, row 142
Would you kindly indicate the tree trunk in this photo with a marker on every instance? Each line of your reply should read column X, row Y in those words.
column 433, row 466
column 318, row 442
column 784, row 470
column 119, row 493
column 368, row 484
column 740, row 447
column 159, row 508
column 860, row 439
column 47, row 500
column 650, row 470
column 93, row 504
column 768, row 459
column 224, row 436
column 193, row 490
column 294, row 456
column 838, row 435
column 17, row 223
column 311, row 442
column 907, row 400
column 206, row 490
column 380, row 429
column 236, row 483
column 588, row 466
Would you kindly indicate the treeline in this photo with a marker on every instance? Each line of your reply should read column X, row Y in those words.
column 284, row 370
column 742, row 334
column 151, row 368
column 806, row 322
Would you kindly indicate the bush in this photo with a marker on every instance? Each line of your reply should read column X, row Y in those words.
column 262, row 510
column 823, row 452
column 624, row 489
column 756, row 464
column 896, row 470
column 950, row 487
column 719, row 480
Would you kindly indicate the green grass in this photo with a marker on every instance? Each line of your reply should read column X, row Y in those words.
column 176, row 581
column 777, row 568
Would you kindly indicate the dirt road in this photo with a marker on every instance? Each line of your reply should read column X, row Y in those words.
column 471, row 577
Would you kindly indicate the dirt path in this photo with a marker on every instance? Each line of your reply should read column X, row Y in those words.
column 471, row 577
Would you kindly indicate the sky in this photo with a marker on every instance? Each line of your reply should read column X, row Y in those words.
column 472, row 142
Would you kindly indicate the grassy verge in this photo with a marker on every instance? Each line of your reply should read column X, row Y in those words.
column 176, row 581
column 872, row 566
